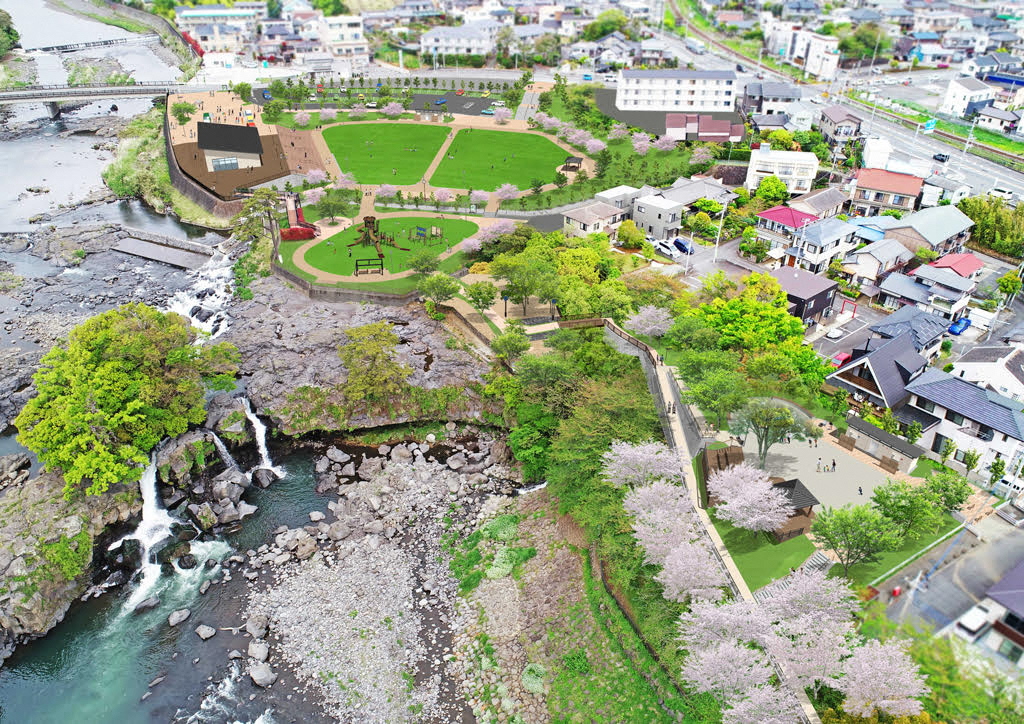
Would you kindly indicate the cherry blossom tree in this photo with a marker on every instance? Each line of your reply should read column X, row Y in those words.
column 565, row 129
column 539, row 118
column 392, row 110
column 491, row 233
column 328, row 114
column 811, row 649
column 618, row 131
column 706, row 623
column 881, row 676
column 316, row 176
column 357, row 111
column 635, row 464
column 387, row 191
column 502, row 116
column 665, row 143
column 596, row 145
column 764, row 704
column 691, row 571
column 313, row 196
column 506, row 192
column 702, row 155
column 550, row 123
column 813, row 593
column 662, row 518
column 649, row 320
column 578, row 137
column 444, row 195
column 641, row 143
column 345, row 181
column 728, row 670
column 472, row 245
column 479, row 197
column 749, row 500
column 301, row 119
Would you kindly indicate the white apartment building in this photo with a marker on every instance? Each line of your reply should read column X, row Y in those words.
column 679, row 90
column 965, row 96
column 796, row 169
column 1000, row 368
column 817, row 54
column 470, row 39
column 243, row 15
column 343, row 37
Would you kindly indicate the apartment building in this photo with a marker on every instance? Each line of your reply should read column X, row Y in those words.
column 816, row 54
column 343, row 37
column 243, row 15
column 876, row 190
column 796, row 169
column 470, row 39
column 966, row 96
column 678, row 90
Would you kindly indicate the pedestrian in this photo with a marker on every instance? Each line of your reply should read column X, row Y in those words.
column 810, row 443
column 819, row 465
column 860, row 490
column 833, row 465
column 815, row 442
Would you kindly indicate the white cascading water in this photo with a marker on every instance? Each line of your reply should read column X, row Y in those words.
column 222, row 450
column 261, row 439
column 207, row 297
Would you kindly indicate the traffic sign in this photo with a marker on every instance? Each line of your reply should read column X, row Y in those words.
column 929, row 125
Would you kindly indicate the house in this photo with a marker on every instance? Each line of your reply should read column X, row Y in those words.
column 217, row 38
column 694, row 127
column 997, row 119
column 768, row 98
column 926, row 330
column 818, row 243
column 622, row 197
column 972, row 417
column 767, row 124
column 592, row 217
column 839, row 125
column 655, row 52
column 931, row 53
column 228, row 147
column 999, row 368
column 980, row 65
column 470, row 39
column 938, row 188
column 661, row 213
column 864, row 15
column 780, row 226
column 966, row 265
column 343, row 37
column 943, row 229
column 940, row 291
column 796, row 169
column 803, row 116
column 935, row 20
column 872, row 262
column 800, row 9
column 877, row 190
column 679, row 90
column 823, row 203
column 879, row 371
column 966, row 96
column 810, row 296
column 900, row 17
column 816, row 54
column 801, row 502
column 1003, row 629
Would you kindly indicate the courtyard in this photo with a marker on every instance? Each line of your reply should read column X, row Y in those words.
column 482, row 159
column 385, row 153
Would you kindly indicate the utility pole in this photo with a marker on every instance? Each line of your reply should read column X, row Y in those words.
column 718, row 237
column 967, row 145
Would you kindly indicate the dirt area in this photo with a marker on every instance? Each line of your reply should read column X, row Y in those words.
column 16, row 71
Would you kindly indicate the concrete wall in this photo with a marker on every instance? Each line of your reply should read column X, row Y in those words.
column 192, row 190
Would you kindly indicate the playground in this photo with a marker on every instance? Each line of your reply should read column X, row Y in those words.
column 372, row 245
column 484, row 159
column 385, row 153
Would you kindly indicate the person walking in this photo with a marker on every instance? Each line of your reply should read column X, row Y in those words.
column 818, row 468
column 860, row 490
column 833, row 465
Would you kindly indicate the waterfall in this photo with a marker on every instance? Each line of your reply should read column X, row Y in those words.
column 204, row 302
column 154, row 527
column 222, row 450
column 261, row 439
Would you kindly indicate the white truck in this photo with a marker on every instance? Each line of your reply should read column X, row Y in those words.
column 695, row 46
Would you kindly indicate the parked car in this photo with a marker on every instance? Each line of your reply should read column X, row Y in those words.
column 362, row 96
column 941, row 157
column 940, row 66
column 440, row 101
column 876, row 71
column 959, row 326
column 487, row 94
column 972, row 624
column 588, row 76
column 684, row 245
column 663, row 247
column 319, row 87
column 1000, row 192
column 267, row 96
column 840, row 359
column 460, row 92
column 487, row 112
column 740, row 68
column 371, row 104
column 498, row 104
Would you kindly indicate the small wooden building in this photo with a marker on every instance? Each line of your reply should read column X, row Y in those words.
column 803, row 502
column 572, row 163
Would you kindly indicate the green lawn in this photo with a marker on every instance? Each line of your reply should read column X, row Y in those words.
column 479, row 159
column 335, row 256
column 863, row 574
column 385, row 153
column 760, row 559
column 926, row 466
column 287, row 119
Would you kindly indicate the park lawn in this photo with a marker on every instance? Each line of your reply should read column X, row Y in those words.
column 333, row 254
column 863, row 574
column 760, row 559
column 926, row 466
column 480, row 159
column 385, row 153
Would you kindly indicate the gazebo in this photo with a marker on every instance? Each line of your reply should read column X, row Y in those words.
column 572, row 163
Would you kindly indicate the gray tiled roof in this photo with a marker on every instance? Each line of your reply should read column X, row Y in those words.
column 985, row 354
column 827, row 230
column 892, row 363
column 946, row 277
column 923, row 326
column 896, row 443
column 936, row 224
column 973, row 402
column 972, row 84
column 904, row 287
column 887, row 251
column 1009, row 591
column 999, row 114
column 838, row 114
column 822, row 199
column 770, row 89
column 1015, row 366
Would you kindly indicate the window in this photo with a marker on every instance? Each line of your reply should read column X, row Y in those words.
column 925, row 405
column 954, row 417
column 897, row 200
column 225, row 164
column 938, row 443
column 640, row 209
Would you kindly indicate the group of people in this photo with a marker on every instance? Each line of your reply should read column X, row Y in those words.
column 826, row 467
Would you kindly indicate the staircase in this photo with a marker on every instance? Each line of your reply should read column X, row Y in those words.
column 817, row 562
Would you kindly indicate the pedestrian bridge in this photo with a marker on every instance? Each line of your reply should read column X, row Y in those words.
column 51, row 95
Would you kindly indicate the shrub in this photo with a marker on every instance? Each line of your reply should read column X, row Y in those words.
column 297, row 233
column 533, row 678
column 504, row 527
column 576, row 662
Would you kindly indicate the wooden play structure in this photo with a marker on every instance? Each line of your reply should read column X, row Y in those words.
column 371, row 235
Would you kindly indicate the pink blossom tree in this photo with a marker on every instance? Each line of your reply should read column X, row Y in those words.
column 357, row 111
column 502, row 116
column 506, row 192
column 813, row 593
column 479, row 197
column 550, row 123
column 706, row 623
column 539, row 118
column 578, row 137
column 313, row 196
column 702, row 155
column 346, row 180
column 618, row 131
column 392, row 110
column 749, row 500
column 665, row 143
column 662, row 518
column 811, row 649
column 691, row 571
column 764, row 704
column 565, row 129
column 387, row 191
column 490, row 234
column 444, row 195
column 596, row 145
column 302, row 119
column 636, row 464
column 727, row 670
column 328, row 114
column 881, row 676
column 471, row 245
column 316, row 176
column 649, row 320
column 641, row 143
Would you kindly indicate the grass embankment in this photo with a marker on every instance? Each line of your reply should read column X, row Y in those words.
column 760, row 559
column 863, row 574
column 140, row 171
column 482, row 159
column 385, row 153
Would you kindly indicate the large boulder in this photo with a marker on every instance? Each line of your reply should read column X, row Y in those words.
column 226, row 416
column 259, row 650
column 256, row 625
column 180, row 459
column 14, row 469
column 229, row 484
column 203, row 515
column 205, row 632
column 179, row 616
column 262, row 675
column 370, row 467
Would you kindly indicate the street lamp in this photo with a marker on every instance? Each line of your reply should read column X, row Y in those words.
column 505, row 298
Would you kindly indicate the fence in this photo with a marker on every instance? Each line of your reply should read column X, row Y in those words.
column 339, row 294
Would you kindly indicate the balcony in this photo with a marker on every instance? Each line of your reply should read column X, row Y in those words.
column 986, row 435
column 861, row 382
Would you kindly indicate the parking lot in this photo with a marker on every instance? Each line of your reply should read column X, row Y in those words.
column 466, row 105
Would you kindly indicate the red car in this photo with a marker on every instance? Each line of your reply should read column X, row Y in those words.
column 320, row 88
column 460, row 92
column 840, row 359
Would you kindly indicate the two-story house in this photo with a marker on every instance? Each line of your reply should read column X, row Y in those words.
column 769, row 98
column 780, row 226
column 939, row 291
column 592, row 217
column 926, row 330
column 869, row 264
column 877, row 190
column 966, row 96
column 939, row 188
column 343, row 37
column 999, row 368
column 823, row 203
column 879, row 370
column 1002, row 631
column 818, row 243
column 998, row 119
column 796, row 169
column 662, row 213
column 943, row 229
column 966, row 265
column 810, row 296
column 838, row 125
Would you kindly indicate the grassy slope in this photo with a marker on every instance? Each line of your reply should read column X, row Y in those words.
column 759, row 559
column 371, row 151
column 487, row 159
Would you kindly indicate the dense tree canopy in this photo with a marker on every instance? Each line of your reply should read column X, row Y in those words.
column 8, row 35
column 374, row 373
column 123, row 381
column 755, row 319
column 996, row 225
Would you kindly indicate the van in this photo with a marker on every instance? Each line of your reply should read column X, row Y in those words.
column 498, row 104
column 684, row 245
column 1001, row 193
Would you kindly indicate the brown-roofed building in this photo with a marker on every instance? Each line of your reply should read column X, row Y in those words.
column 594, row 217
column 694, row 127
column 802, row 501
column 838, row 124
column 878, row 190
column 809, row 295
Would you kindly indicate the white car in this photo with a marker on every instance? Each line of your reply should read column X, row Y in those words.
column 972, row 624
column 665, row 248
column 1000, row 192
column 836, row 333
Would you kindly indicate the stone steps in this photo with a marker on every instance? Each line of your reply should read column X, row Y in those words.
column 817, row 562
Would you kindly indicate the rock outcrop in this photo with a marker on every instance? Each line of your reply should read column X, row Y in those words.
column 14, row 469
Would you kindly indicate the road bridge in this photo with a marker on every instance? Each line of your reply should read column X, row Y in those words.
column 52, row 95
column 96, row 44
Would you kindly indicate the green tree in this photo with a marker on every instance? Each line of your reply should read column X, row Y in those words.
column 124, row 380
column 948, row 448
column 331, row 7
column 756, row 319
column 374, row 372
column 708, row 206
column 720, row 392
column 889, row 423
column 769, row 423
column 1010, row 284
column 912, row 509
column 606, row 23
column 424, row 261
column 511, row 344
column 272, row 110
column 8, row 35
column 970, row 461
column 772, row 190
column 332, row 205
column 914, row 432
column 836, row 403
column 438, row 288
column 243, row 91
column 481, row 295
column 950, row 489
column 629, row 235
column 996, row 471
column 525, row 276
column 182, row 111
column 717, row 286
column 781, row 140
column 862, row 43
column 894, row 213
column 856, row 534
column 561, row 179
